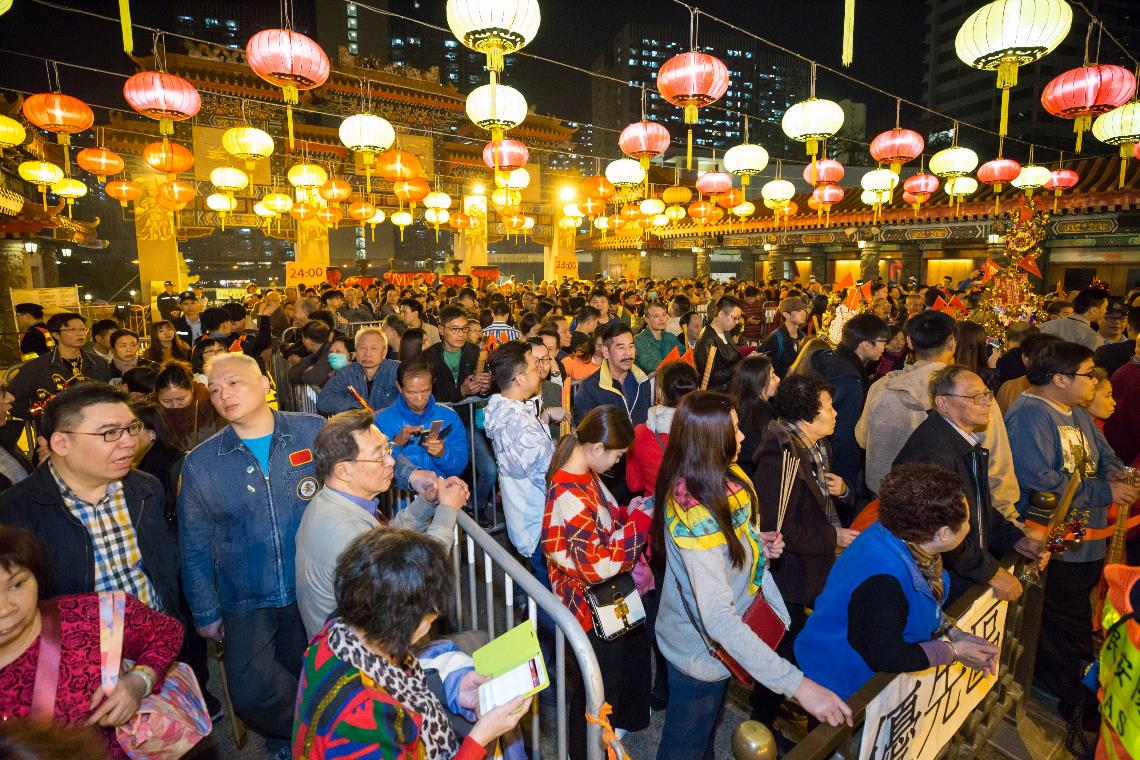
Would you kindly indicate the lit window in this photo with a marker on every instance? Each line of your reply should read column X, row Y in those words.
column 350, row 9
column 352, row 35
column 231, row 24
column 397, row 42
column 450, row 43
column 212, row 22
column 185, row 19
column 352, row 23
column 353, row 48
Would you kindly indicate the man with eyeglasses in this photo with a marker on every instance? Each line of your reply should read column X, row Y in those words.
column 355, row 465
column 67, row 363
column 948, row 437
column 718, row 335
column 1053, row 439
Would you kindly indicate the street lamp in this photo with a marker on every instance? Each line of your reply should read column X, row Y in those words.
column 31, row 246
column 86, row 296
column 994, row 239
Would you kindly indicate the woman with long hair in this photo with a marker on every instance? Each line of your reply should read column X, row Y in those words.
column 753, row 383
column 165, row 345
column 156, row 452
column 802, row 364
column 973, row 352
column 186, row 406
column 705, row 523
column 588, row 539
column 585, row 360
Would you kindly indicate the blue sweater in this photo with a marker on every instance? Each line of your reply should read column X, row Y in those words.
column 455, row 454
column 1036, row 431
column 823, row 649
column 335, row 396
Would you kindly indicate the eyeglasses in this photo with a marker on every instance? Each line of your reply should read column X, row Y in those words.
column 114, row 434
column 371, row 461
column 542, row 360
column 455, row 329
column 981, row 399
column 73, row 329
column 1089, row 375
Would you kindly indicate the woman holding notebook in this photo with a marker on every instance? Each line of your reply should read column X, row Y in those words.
column 592, row 545
column 716, row 570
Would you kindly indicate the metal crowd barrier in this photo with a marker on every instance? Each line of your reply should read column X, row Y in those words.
column 1003, row 702
column 352, row 328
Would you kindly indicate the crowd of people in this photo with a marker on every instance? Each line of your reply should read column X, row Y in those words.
column 697, row 445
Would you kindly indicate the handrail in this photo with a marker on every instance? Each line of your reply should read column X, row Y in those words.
column 567, row 627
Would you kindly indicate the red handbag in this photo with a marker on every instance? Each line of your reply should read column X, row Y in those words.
column 760, row 617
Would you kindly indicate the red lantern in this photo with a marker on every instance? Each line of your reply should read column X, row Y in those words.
column 997, row 173
column 823, row 198
column 330, row 216
column 825, row 171
column 505, row 155
column 644, row 140
column 162, row 96
column 289, row 60
column 100, row 162
column 1062, row 179
column 411, row 191
column 333, row 275
column 169, row 205
column 168, row 157
column 124, row 191
column 58, row 113
column 175, row 191
column 304, row 211
column 729, row 199
column 1087, row 91
column 395, row 164
column 598, row 187
column 918, row 189
column 717, row 215
column 702, row 212
column 714, row 183
column 691, row 80
column 335, row 190
column 592, row 206
column 896, row 147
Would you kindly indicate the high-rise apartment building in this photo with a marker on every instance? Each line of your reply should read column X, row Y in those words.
column 762, row 83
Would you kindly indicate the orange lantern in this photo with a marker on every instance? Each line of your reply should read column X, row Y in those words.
column 592, row 206
column 100, row 162
column 289, row 60
column 730, row 198
column 461, row 221
column 411, row 191
column 58, row 113
column 702, row 212
column 335, row 190
column 176, row 191
column 168, row 157
column 395, row 164
column 330, row 216
column 714, row 183
column 165, row 97
column 362, row 211
column 598, row 187
column 303, row 211
column 167, row 204
column 124, row 191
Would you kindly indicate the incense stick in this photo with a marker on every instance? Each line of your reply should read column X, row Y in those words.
column 787, row 481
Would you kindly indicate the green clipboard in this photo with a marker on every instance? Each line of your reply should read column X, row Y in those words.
column 516, row 666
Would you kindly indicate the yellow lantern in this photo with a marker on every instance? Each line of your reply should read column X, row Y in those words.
column 1120, row 126
column 70, row 189
column 958, row 188
column 496, row 107
column 659, row 221
column 12, row 132
column 504, row 198
column 676, row 213
column 519, row 179
column 278, row 203
column 307, row 178
column 401, row 219
column 368, row 135
column 229, row 180
column 41, row 174
column 1006, row 34
column 1030, row 178
column 248, row 144
column 493, row 27
column 602, row 223
column 873, row 197
column 652, row 207
column 221, row 203
column 267, row 214
column 625, row 173
column 437, row 200
column 880, row 182
column 436, row 217
column 955, row 161
column 375, row 219
column 677, row 194
column 569, row 222
column 744, row 209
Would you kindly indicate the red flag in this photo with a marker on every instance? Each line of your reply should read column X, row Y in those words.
column 852, row 301
column 989, row 269
column 866, row 291
column 1029, row 264
column 676, row 356
column 957, row 305
column 847, row 282
column 939, row 304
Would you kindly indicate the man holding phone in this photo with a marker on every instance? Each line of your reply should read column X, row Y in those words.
column 429, row 435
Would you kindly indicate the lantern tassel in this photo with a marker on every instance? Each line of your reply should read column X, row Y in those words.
column 125, row 23
column 292, row 97
column 1080, row 124
column 1056, row 196
column 848, row 32
column 289, row 124
column 689, row 151
column 1123, row 166
column 1006, row 78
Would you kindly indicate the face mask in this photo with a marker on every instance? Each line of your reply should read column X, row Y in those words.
column 338, row 361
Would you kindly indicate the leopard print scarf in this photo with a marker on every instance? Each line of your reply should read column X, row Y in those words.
column 406, row 684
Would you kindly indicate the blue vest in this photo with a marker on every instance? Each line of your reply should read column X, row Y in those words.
column 822, row 649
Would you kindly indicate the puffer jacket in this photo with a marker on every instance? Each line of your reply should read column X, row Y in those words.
column 522, row 451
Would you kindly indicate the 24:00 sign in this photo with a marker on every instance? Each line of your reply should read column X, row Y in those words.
column 303, row 272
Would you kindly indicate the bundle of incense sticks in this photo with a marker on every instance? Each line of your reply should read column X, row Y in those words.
column 708, row 368
column 360, row 400
column 787, row 480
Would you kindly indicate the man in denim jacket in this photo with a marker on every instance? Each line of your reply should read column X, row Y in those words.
column 240, row 501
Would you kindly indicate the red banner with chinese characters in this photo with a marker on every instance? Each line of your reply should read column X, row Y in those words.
column 453, row 280
column 485, row 273
column 408, row 278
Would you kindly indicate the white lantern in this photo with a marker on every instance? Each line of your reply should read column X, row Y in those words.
column 437, row 200
column 278, row 203
column 745, row 160
column 401, row 219
column 959, row 187
column 879, row 180
column 652, row 206
column 778, row 192
column 812, row 120
column 518, row 179
column 1121, row 127
column 625, row 173
column 229, row 180
column 744, row 209
column 1031, row 177
column 571, row 209
column 368, row 134
column 953, row 162
column 222, row 203
column 247, row 143
column 496, row 107
column 874, row 197
column 493, row 27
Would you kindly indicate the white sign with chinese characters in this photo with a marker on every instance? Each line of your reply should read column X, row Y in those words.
column 918, row 713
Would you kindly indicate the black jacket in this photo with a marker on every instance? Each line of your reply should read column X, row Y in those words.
column 1114, row 356
column 36, row 505
column 168, row 304
column 848, row 377
column 936, row 441
column 724, row 362
column 35, row 340
column 809, row 537
column 182, row 327
column 20, row 457
column 782, row 349
column 444, row 386
column 47, row 375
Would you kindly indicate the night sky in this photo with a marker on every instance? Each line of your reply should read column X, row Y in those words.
column 889, row 44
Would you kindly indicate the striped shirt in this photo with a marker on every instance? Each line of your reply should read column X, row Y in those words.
column 118, row 559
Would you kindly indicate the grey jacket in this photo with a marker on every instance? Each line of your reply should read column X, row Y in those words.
column 330, row 523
